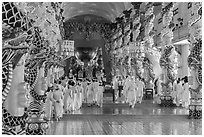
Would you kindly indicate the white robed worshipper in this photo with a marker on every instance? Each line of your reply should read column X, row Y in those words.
column 95, row 90
column 75, row 96
column 186, row 93
column 79, row 95
column 100, row 93
column 179, row 90
column 139, row 92
column 58, row 101
column 49, row 99
column 173, row 95
column 159, row 92
column 90, row 95
column 131, row 88
column 68, row 98
column 115, row 86
column 125, row 92
column 72, row 84
column 49, row 104
column 84, row 93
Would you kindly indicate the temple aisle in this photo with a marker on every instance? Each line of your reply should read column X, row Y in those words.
column 145, row 108
column 119, row 119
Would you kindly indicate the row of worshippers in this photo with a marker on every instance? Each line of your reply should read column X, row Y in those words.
column 67, row 96
column 179, row 91
column 128, row 90
column 181, row 94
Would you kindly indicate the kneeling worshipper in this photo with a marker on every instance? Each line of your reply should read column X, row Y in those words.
column 58, row 102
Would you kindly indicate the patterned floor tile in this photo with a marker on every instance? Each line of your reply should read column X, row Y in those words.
column 144, row 119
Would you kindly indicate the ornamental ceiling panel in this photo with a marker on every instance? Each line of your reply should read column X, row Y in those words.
column 108, row 10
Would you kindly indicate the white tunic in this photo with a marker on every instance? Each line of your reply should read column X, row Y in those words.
column 67, row 99
column 48, row 105
column 131, row 91
column 179, row 90
column 90, row 95
column 79, row 96
column 125, row 92
column 58, row 102
column 95, row 90
column 140, row 86
column 84, row 93
column 186, row 94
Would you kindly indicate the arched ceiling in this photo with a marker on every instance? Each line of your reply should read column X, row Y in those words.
column 108, row 10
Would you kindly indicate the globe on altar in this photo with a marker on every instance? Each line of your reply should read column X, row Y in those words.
column 85, row 53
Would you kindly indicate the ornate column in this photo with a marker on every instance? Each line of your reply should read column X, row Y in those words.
column 167, row 48
column 14, row 89
column 135, row 46
column 149, row 41
column 184, row 55
column 195, row 60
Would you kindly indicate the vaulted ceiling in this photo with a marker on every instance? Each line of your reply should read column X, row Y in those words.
column 108, row 10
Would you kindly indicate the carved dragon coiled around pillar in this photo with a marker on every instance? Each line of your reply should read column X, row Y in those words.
column 166, row 62
column 15, row 31
column 195, row 59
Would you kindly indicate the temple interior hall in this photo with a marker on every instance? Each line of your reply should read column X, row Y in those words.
column 102, row 68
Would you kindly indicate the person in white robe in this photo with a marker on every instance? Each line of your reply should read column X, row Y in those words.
column 179, row 91
column 100, row 94
column 95, row 90
column 125, row 92
column 75, row 101
column 79, row 95
column 115, row 87
column 157, row 96
column 67, row 99
column 131, row 92
column 173, row 95
column 58, row 101
column 72, row 93
column 90, row 95
column 185, row 94
column 49, row 104
column 84, row 93
column 139, row 93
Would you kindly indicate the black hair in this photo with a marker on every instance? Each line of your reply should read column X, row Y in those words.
column 71, row 83
column 186, row 80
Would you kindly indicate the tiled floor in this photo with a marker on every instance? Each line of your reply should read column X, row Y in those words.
column 146, row 108
column 145, row 119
